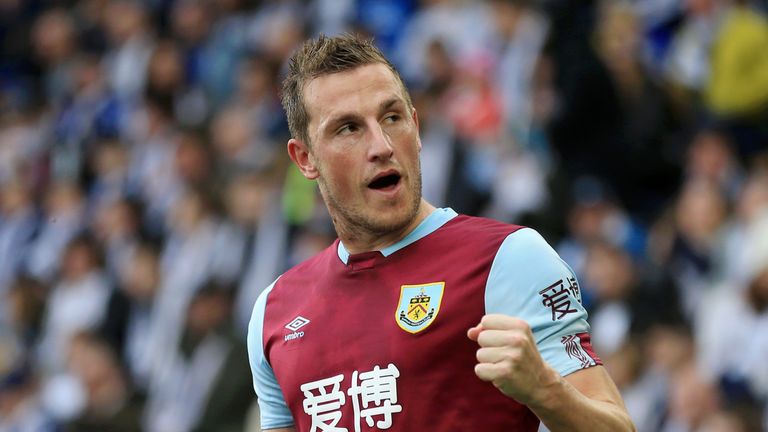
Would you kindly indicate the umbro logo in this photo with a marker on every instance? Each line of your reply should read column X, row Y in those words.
column 297, row 323
column 294, row 325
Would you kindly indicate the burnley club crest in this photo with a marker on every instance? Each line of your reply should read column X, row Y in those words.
column 418, row 306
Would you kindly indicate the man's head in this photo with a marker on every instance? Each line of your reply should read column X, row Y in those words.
column 355, row 131
column 324, row 56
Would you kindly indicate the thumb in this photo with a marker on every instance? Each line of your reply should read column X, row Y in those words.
column 474, row 332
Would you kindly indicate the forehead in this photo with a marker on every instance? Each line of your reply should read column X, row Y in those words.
column 350, row 92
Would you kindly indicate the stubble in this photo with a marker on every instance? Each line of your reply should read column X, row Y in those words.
column 355, row 223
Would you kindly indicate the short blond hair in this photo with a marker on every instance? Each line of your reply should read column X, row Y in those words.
column 323, row 56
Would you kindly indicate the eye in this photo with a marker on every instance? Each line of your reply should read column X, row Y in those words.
column 347, row 129
column 392, row 118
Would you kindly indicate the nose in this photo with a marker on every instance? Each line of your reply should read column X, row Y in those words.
column 380, row 146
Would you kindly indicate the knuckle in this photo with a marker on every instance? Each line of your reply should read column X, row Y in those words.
column 515, row 339
column 480, row 354
column 509, row 359
column 482, row 372
column 482, row 339
column 522, row 324
column 513, row 356
column 508, row 368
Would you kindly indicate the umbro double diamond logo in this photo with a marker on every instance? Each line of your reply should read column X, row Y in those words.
column 293, row 326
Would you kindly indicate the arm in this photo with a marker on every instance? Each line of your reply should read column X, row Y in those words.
column 586, row 400
column 589, row 391
column 536, row 349
column 290, row 429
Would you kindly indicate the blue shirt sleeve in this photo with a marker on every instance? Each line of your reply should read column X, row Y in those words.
column 530, row 281
column 272, row 406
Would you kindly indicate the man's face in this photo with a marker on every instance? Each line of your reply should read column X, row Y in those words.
column 364, row 149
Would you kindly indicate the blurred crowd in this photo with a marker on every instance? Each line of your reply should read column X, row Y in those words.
column 146, row 197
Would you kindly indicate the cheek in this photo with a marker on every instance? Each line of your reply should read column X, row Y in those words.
column 339, row 175
column 413, row 150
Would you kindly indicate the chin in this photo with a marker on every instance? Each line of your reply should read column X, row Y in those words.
column 389, row 223
column 392, row 218
column 378, row 217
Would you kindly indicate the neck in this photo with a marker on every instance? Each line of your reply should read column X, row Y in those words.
column 358, row 242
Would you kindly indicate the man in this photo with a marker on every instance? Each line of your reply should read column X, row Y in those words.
column 415, row 314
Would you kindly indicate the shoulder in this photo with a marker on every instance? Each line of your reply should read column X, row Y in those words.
column 480, row 226
column 475, row 233
column 256, row 323
column 527, row 260
column 526, row 245
column 310, row 269
column 524, row 269
column 294, row 288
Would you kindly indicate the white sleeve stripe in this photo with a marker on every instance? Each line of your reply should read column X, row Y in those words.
column 273, row 409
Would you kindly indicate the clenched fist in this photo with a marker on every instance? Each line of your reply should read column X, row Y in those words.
column 509, row 359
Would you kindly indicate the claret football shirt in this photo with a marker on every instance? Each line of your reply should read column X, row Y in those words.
column 377, row 340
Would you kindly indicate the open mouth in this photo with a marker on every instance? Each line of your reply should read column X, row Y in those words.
column 385, row 182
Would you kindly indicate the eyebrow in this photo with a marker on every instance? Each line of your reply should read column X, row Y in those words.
column 389, row 103
column 343, row 118
column 332, row 123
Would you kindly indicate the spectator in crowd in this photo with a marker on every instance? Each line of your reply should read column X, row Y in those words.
column 521, row 33
column 687, row 62
column 711, row 156
column 204, row 385
column 252, row 204
column 151, row 174
column 20, row 406
column 17, row 227
column 692, row 400
column 623, row 299
column 193, row 162
column 241, row 148
column 661, row 351
column 89, row 112
column 108, row 166
column 110, row 403
column 63, row 219
column 739, row 316
column 595, row 216
column 585, row 93
column 185, row 263
column 25, row 303
column 646, row 141
column 699, row 218
column 24, row 148
column 276, row 28
column 128, row 322
column 77, row 302
column 257, row 92
column 743, row 249
column 737, row 88
column 117, row 228
column 129, row 47
column 55, row 44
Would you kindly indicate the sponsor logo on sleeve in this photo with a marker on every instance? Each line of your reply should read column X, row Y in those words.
column 579, row 347
column 560, row 296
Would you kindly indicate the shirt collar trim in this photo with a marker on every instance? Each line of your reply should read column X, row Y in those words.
column 430, row 224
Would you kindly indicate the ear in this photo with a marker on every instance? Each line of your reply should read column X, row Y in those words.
column 415, row 117
column 300, row 155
